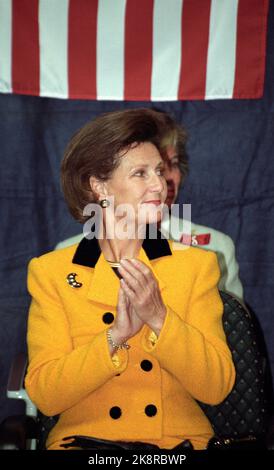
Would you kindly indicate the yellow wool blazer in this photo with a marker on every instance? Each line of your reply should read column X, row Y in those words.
column 150, row 393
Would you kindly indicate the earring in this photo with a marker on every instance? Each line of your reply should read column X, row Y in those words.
column 104, row 203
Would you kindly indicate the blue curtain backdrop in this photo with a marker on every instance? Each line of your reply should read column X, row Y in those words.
column 230, row 187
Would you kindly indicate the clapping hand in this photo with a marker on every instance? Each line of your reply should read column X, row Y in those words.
column 141, row 288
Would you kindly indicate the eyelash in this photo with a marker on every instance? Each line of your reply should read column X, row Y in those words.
column 141, row 173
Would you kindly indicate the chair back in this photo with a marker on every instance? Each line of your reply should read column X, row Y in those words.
column 244, row 413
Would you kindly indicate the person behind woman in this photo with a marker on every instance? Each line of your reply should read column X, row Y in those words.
column 208, row 238
column 125, row 333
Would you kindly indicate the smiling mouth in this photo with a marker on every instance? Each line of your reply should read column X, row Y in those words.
column 156, row 202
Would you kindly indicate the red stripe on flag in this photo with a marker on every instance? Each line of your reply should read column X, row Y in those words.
column 82, row 48
column 251, row 48
column 25, row 47
column 195, row 36
column 138, row 49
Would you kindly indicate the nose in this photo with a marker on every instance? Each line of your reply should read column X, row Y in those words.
column 158, row 183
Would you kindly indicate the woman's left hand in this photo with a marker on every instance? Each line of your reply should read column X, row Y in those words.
column 141, row 287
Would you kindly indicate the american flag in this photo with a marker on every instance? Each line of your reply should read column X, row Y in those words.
column 159, row 50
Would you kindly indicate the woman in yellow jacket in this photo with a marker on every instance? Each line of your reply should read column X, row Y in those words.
column 125, row 329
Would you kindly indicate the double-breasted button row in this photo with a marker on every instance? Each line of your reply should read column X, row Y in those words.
column 116, row 412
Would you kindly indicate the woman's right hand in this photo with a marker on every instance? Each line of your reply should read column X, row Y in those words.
column 127, row 323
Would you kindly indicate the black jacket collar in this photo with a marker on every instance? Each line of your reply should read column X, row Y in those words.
column 88, row 251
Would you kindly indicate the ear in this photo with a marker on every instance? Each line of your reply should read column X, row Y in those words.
column 98, row 187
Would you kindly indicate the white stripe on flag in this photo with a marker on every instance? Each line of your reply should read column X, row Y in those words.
column 53, row 37
column 221, row 59
column 110, row 49
column 5, row 45
column 166, row 60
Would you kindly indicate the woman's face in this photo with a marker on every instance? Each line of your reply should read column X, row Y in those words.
column 139, row 181
column 172, row 175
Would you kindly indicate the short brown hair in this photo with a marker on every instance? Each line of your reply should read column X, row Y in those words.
column 95, row 150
